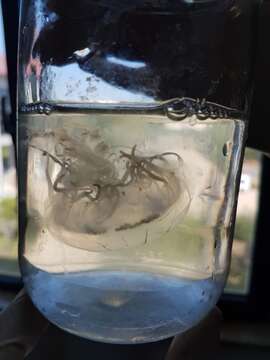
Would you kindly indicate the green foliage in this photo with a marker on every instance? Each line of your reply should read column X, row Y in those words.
column 8, row 209
column 240, row 264
column 251, row 154
column 244, row 228
column 5, row 152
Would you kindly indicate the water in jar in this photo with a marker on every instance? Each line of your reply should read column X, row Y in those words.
column 127, row 233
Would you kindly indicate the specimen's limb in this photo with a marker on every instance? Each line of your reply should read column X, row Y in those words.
column 50, row 184
column 139, row 170
column 45, row 152
column 144, row 165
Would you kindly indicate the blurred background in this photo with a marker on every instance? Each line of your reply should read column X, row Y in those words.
column 8, row 184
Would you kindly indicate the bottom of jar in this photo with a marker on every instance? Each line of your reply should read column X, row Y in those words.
column 123, row 307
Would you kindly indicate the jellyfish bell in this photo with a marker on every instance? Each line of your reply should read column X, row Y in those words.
column 99, row 204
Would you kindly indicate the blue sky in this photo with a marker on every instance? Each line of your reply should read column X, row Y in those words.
column 2, row 43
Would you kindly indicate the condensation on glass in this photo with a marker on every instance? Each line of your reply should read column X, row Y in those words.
column 132, row 118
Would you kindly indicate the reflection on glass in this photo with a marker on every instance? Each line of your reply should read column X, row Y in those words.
column 8, row 185
column 241, row 265
column 82, row 84
column 126, row 63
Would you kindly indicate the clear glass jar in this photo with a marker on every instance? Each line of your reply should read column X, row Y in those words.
column 132, row 123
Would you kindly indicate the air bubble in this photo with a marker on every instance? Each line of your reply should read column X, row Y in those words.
column 227, row 147
column 179, row 109
column 39, row 108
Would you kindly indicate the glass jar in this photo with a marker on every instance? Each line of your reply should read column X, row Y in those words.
column 132, row 124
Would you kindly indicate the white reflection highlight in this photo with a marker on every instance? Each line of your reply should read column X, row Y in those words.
column 126, row 63
column 71, row 83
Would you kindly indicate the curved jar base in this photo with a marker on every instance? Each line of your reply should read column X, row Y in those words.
column 123, row 307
